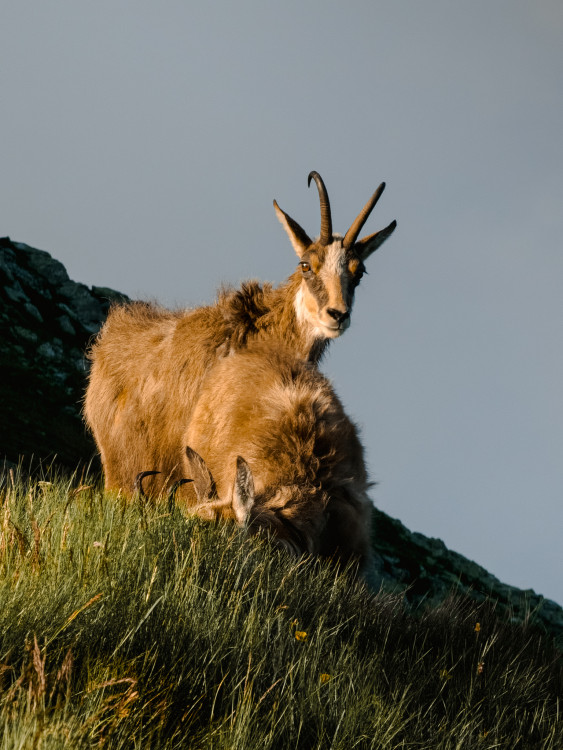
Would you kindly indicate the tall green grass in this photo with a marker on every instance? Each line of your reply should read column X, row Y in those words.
column 129, row 626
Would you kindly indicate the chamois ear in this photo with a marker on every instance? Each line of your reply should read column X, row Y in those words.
column 243, row 491
column 368, row 245
column 196, row 468
column 298, row 237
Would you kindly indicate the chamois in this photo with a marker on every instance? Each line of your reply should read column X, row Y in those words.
column 270, row 446
column 148, row 363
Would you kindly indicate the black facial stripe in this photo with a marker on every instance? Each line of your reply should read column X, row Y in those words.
column 354, row 281
column 318, row 290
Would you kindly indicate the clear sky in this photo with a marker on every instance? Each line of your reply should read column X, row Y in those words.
column 142, row 143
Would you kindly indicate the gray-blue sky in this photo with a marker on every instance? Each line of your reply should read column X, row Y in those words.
column 142, row 144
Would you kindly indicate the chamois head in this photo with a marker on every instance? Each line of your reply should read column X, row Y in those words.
column 331, row 266
column 268, row 512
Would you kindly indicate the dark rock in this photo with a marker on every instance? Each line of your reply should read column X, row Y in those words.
column 426, row 571
column 107, row 296
column 46, row 324
column 33, row 311
column 66, row 325
column 15, row 293
column 40, row 262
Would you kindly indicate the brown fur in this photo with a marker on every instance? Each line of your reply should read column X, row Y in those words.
column 283, row 417
column 148, row 363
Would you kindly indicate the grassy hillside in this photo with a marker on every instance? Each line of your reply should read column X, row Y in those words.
column 126, row 626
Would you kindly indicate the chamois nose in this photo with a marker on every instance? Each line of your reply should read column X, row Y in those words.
column 339, row 315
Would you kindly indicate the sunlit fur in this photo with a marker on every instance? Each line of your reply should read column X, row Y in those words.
column 148, row 363
column 283, row 417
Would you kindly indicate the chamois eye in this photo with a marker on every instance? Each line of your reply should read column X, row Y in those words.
column 357, row 270
column 355, row 267
column 305, row 267
column 360, row 271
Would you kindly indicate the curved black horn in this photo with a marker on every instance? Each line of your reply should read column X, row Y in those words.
column 326, row 220
column 352, row 234
column 173, row 491
column 139, row 481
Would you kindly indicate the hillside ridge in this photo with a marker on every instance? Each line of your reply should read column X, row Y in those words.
column 46, row 323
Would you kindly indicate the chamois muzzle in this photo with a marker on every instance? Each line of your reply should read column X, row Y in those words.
column 340, row 316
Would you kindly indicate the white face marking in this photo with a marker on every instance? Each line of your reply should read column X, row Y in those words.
column 304, row 316
column 334, row 277
column 335, row 259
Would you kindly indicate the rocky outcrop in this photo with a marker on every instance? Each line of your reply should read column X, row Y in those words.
column 426, row 571
column 46, row 324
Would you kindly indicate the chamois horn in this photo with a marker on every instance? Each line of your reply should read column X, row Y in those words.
column 139, row 482
column 326, row 220
column 172, row 494
column 352, row 234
